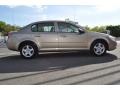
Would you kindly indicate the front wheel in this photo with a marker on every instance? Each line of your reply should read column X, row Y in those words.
column 28, row 51
column 98, row 48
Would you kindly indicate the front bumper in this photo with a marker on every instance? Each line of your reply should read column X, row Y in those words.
column 112, row 45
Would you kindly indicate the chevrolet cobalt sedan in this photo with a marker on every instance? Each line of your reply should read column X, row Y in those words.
column 58, row 36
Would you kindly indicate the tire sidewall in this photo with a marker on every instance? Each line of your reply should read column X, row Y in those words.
column 35, row 51
column 92, row 48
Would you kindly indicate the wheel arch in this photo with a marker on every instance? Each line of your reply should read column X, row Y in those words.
column 27, row 42
column 100, row 40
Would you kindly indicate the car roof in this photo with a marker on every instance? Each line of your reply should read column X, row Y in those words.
column 70, row 22
column 53, row 21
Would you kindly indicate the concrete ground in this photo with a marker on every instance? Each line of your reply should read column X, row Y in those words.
column 60, row 68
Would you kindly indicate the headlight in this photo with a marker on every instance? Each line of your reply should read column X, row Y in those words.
column 111, row 37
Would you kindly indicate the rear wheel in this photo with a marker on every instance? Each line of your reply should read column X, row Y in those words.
column 98, row 48
column 28, row 51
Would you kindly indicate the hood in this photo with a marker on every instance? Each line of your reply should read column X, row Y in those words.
column 98, row 34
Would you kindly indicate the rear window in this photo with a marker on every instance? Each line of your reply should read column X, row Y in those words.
column 34, row 28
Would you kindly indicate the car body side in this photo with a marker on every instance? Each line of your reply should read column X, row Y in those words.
column 26, row 34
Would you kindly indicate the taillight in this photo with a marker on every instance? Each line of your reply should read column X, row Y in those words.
column 10, row 34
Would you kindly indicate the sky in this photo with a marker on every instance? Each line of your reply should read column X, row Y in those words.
column 91, row 15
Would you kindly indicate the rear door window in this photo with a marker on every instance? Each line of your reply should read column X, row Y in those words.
column 43, row 27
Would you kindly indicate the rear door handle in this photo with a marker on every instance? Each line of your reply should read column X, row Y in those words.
column 63, row 35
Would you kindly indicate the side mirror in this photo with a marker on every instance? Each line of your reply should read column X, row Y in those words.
column 81, row 31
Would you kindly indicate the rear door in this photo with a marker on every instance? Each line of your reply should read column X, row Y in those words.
column 46, row 35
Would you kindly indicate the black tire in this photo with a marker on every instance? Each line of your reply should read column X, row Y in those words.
column 34, row 48
column 93, row 51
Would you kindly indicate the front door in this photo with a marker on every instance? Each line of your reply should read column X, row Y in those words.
column 70, row 37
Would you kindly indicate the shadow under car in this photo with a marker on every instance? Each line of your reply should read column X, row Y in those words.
column 51, row 61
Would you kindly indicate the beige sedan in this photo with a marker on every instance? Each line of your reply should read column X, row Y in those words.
column 58, row 36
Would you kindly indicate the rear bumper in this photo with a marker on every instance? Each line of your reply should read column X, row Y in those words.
column 11, row 45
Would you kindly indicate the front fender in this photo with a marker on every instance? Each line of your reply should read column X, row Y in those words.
column 96, row 38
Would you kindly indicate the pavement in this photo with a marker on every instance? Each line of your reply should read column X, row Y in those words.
column 69, row 68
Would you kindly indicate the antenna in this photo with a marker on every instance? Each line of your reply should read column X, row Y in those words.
column 74, row 13
column 13, row 19
column 12, row 16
